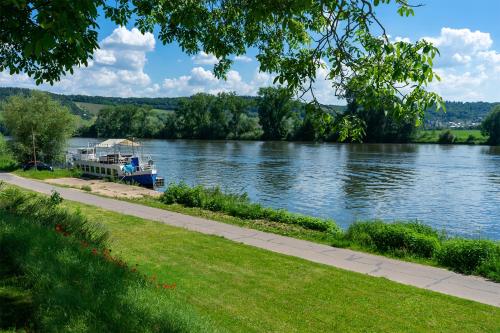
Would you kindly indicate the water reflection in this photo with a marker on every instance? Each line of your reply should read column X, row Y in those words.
column 452, row 187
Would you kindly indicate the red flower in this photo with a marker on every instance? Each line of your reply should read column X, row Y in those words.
column 94, row 251
column 66, row 234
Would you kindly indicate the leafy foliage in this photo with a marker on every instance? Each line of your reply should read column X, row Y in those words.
column 379, row 124
column 128, row 121
column 412, row 239
column 471, row 256
column 41, row 119
column 7, row 161
column 204, row 116
column 293, row 40
column 276, row 110
column 491, row 126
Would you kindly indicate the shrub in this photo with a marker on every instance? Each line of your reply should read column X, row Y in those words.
column 446, row 137
column 239, row 205
column 471, row 139
column 470, row 256
column 87, row 188
column 7, row 161
column 398, row 238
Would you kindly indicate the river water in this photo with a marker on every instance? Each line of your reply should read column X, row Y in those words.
column 456, row 187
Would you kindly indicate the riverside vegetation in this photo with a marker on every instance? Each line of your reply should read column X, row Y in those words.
column 400, row 239
column 58, row 274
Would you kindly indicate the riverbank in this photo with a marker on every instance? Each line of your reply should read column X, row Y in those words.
column 459, row 136
column 242, row 288
column 409, row 241
column 421, row 276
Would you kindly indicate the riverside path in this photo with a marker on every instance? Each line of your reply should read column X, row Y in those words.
column 427, row 277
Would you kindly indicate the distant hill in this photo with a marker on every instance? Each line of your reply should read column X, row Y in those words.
column 458, row 114
column 74, row 109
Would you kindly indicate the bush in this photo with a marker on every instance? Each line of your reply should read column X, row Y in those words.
column 87, row 188
column 470, row 256
column 7, row 161
column 446, row 137
column 239, row 205
column 401, row 239
column 471, row 139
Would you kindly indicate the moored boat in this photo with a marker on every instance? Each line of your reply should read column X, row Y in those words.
column 107, row 160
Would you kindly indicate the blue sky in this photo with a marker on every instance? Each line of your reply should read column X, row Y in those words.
column 132, row 64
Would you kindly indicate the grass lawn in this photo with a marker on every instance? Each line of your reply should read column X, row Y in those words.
column 43, row 175
column 462, row 136
column 242, row 288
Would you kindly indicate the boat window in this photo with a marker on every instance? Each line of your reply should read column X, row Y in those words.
column 87, row 168
column 115, row 173
column 108, row 172
column 92, row 169
column 103, row 171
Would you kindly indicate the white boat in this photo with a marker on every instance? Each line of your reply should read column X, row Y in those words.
column 106, row 160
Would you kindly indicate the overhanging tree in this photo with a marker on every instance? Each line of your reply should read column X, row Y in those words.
column 293, row 39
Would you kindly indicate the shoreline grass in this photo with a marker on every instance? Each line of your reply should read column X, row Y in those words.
column 461, row 137
column 45, row 174
column 242, row 288
column 411, row 241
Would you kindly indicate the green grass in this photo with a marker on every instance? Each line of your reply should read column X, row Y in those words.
column 242, row 288
column 462, row 136
column 43, row 175
column 411, row 241
column 58, row 279
column 235, row 287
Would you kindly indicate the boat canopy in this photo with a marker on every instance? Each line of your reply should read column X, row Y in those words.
column 110, row 143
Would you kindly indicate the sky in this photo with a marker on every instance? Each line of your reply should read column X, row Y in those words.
column 129, row 63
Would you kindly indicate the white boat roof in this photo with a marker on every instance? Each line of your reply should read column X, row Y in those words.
column 117, row 142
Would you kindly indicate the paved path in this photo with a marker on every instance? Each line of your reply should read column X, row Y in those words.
column 437, row 279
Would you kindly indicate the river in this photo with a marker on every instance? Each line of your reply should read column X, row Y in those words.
column 455, row 187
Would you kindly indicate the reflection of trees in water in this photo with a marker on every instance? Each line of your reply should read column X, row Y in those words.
column 275, row 172
column 371, row 170
column 492, row 163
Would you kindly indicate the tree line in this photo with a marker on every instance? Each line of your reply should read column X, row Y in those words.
column 40, row 124
column 274, row 115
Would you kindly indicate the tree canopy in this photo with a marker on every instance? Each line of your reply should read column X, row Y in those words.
column 41, row 119
column 491, row 126
column 293, row 39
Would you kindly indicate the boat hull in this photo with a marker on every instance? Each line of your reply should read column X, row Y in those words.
column 146, row 180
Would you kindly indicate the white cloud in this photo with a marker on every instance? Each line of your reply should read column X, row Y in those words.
column 468, row 65
column 116, row 70
column 203, row 80
column 462, row 59
column 203, row 58
column 243, row 58
column 130, row 39
column 462, row 39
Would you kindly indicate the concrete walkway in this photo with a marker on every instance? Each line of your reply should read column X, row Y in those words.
column 436, row 279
